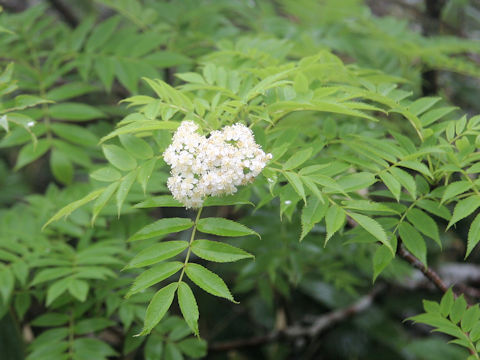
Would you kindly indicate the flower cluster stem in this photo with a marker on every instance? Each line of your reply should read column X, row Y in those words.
column 192, row 237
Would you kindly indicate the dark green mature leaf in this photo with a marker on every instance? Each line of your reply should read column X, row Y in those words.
column 334, row 219
column 217, row 251
column 158, row 307
column 154, row 275
column 312, row 214
column 162, row 227
column 135, row 146
column 156, row 253
column 188, row 306
column 391, row 183
column 413, row 241
column 455, row 189
column 381, row 259
column 61, row 166
column 424, row 223
column 75, row 112
column 124, row 188
column 106, row 174
column 208, row 281
column 223, row 227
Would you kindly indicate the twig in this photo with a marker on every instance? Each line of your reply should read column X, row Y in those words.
column 319, row 325
column 428, row 272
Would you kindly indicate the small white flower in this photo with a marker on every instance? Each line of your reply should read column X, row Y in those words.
column 30, row 123
column 215, row 166
column 287, row 202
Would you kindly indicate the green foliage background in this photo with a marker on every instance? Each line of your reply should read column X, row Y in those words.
column 369, row 109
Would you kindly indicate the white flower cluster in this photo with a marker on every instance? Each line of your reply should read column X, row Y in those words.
column 211, row 166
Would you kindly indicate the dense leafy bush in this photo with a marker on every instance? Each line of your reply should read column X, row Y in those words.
column 373, row 179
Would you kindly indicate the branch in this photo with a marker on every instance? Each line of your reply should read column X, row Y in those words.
column 428, row 272
column 319, row 325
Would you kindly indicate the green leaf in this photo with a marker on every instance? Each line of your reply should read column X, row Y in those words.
column 78, row 289
column 61, row 166
column 447, row 302
column 101, row 34
column 473, row 235
column 30, row 152
column 67, row 210
column 424, row 223
column 458, row 309
column 123, row 189
column 407, row 180
column 297, row 159
column 381, row 259
column 434, row 208
column 208, row 281
column 296, row 182
column 455, row 189
column 119, row 158
column 312, row 213
column 75, row 134
column 464, row 208
column 142, row 126
column 218, row 252
column 57, row 289
column 145, row 172
column 193, row 347
column 106, row 174
column 223, row 227
column 70, row 90
column 392, row 184
column 50, row 320
column 188, row 306
column 470, row 318
column 92, row 325
column 413, row 241
column 7, row 282
column 103, row 199
column 158, row 307
column 156, row 253
column 162, row 227
column 154, row 275
column 135, row 146
column 75, row 112
column 334, row 219
column 373, row 227
column 159, row 201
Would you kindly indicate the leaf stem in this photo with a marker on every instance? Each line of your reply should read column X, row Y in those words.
column 192, row 237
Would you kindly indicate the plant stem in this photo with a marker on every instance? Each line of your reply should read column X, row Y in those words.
column 192, row 237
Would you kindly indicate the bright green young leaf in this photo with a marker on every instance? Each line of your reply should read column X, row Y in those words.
column 124, row 188
column 106, row 174
column 458, row 309
column 297, row 159
column 145, row 172
column 119, row 158
column 32, row 152
column 218, row 251
column 407, row 180
column 223, row 227
column 67, row 210
column 156, row 253
column 455, row 189
column 208, row 281
column 136, row 147
column 188, row 306
column 158, row 307
column 162, row 227
column 296, row 182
